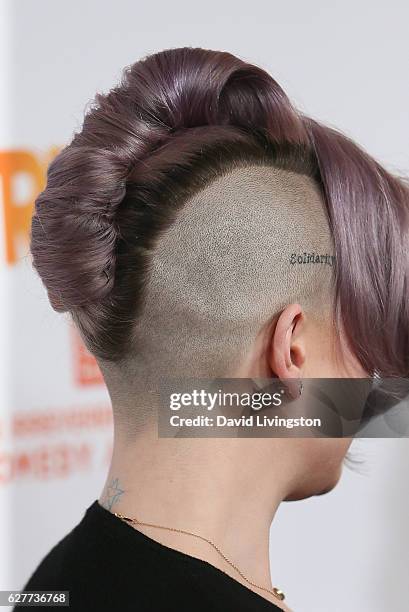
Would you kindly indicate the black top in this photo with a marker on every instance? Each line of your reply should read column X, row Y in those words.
column 107, row 565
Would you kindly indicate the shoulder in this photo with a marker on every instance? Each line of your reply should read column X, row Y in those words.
column 105, row 564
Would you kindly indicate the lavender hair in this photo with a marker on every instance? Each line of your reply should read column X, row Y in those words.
column 177, row 119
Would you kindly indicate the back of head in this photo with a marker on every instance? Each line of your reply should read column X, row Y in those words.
column 184, row 215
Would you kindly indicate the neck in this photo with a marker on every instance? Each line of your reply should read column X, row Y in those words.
column 226, row 490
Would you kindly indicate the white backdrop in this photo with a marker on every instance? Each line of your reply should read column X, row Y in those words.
column 342, row 62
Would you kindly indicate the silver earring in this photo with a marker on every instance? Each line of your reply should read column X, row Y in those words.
column 301, row 387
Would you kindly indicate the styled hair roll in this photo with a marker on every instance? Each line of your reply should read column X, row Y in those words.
column 177, row 119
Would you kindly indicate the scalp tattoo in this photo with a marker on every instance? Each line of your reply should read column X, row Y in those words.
column 312, row 258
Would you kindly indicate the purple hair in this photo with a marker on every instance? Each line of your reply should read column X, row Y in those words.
column 177, row 119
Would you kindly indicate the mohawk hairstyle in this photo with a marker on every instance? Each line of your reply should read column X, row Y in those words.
column 178, row 120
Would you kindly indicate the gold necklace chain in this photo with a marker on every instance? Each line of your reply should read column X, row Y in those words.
column 278, row 593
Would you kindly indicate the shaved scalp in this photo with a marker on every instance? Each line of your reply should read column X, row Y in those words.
column 223, row 269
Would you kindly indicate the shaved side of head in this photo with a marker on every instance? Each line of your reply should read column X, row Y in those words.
column 243, row 247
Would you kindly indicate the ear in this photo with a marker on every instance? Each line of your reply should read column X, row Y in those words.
column 287, row 352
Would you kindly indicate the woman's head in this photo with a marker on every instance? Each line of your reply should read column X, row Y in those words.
column 190, row 210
